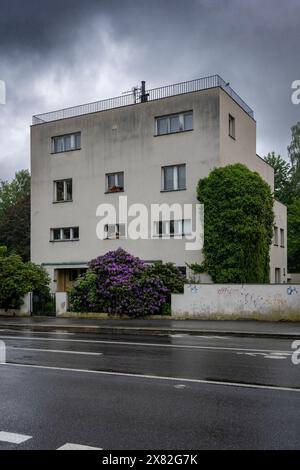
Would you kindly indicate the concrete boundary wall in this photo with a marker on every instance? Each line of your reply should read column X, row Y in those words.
column 237, row 300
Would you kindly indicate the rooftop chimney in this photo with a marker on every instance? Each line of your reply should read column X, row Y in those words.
column 144, row 95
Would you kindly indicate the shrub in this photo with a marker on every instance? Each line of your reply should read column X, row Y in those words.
column 118, row 283
column 18, row 278
column 239, row 219
column 171, row 277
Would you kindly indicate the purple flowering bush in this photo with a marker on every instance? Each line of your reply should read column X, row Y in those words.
column 118, row 283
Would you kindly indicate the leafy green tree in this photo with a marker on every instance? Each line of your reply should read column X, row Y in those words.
column 18, row 278
column 294, row 156
column 283, row 190
column 238, row 212
column 294, row 236
column 14, row 191
column 15, row 214
column 15, row 228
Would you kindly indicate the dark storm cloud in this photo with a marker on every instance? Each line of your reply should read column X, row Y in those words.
column 59, row 53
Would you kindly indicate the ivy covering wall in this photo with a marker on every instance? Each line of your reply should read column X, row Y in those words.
column 238, row 229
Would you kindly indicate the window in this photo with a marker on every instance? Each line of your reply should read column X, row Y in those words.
column 277, row 275
column 64, row 234
column 231, row 126
column 174, row 178
column 174, row 123
column 172, row 228
column 65, row 143
column 115, row 231
column 282, row 238
column 276, row 236
column 63, row 190
column 114, row 182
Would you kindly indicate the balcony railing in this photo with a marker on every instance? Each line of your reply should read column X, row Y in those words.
column 136, row 97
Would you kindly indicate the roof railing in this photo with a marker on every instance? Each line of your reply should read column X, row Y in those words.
column 136, row 96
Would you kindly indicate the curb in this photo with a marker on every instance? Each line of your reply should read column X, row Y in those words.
column 129, row 329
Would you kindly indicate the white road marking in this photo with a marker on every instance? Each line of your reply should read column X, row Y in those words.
column 70, row 446
column 83, row 353
column 129, row 343
column 156, row 377
column 38, row 332
column 13, row 438
column 272, row 355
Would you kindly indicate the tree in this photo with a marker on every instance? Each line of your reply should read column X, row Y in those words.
column 294, row 156
column 15, row 214
column 294, row 236
column 15, row 228
column 238, row 211
column 14, row 191
column 18, row 278
column 283, row 190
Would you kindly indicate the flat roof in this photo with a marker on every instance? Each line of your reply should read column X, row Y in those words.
column 137, row 96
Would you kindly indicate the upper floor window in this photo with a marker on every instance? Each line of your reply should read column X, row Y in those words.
column 174, row 123
column 231, row 126
column 65, row 143
column 63, row 190
column 114, row 231
column 174, row 178
column 64, row 234
column 172, row 228
column 276, row 236
column 114, row 182
column 282, row 238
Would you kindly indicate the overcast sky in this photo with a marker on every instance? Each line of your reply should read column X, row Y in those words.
column 59, row 53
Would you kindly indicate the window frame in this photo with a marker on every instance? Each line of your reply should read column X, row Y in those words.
column 65, row 199
column 117, row 232
column 62, row 239
column 167, row 233
column 175, row 178
column 282, row 236
column 231, row 126
column 119, row 189
column 53, row 138
column 168, row 117
column 275, row 242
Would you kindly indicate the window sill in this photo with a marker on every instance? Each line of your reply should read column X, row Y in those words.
column 62, row 202
column 65, row 151
column 178, row 236
column 231, row 136
column 114, row 192
column 171, row 133
column 64, row 241
column 275, row 244
column 172, row 190
column 282, row 246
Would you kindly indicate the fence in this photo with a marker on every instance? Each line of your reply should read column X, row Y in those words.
column 237, row 301
column 199, row 84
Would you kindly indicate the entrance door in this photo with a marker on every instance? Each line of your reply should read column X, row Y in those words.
column 66, row 277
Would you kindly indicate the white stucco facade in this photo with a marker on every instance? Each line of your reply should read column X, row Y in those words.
column 125, row 140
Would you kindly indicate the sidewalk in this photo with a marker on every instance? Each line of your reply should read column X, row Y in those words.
column 287, row 330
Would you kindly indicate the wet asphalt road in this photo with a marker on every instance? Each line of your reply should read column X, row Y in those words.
column 149, row 391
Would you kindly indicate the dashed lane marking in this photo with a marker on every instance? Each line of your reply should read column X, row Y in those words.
column 70, row 446
column 60, row 351
column 13, row 438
